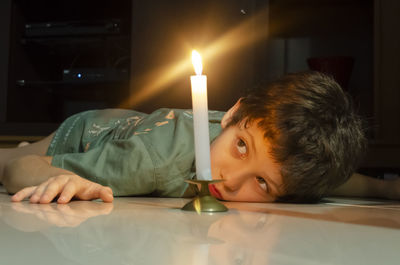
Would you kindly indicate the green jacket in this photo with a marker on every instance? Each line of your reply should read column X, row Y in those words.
column 131, row 152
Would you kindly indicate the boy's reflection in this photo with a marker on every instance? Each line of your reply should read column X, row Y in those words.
column 148, row 234
column 153, row 234
column 60, row 215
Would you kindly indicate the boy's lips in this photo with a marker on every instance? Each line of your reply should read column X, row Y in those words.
column 214, row 191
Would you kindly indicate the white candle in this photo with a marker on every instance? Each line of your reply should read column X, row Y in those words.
column 200, row 120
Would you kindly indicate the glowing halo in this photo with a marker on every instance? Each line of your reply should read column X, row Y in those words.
column 244, row 34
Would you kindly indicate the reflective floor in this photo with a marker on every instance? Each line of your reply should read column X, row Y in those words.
column 156, row 231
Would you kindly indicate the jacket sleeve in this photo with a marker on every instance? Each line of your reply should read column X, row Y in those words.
column 123, row 165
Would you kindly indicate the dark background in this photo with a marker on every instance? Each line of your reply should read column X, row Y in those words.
column 257, row 39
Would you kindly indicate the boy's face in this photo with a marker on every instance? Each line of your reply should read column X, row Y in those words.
column 240, row 156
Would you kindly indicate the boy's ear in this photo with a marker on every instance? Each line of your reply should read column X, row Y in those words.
column 228, row 115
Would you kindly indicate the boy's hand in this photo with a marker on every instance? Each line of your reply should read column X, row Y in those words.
column 363, row 186
column 66, row 186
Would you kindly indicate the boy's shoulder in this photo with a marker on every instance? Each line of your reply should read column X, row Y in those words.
column 165, row 116
column 213, row 115
column 178, row 120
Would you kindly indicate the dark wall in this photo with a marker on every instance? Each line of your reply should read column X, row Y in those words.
column 5, row 13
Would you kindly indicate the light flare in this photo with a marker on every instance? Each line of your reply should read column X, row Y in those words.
column 248, row 32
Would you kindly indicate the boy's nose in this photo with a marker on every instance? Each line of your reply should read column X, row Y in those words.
column 234, row 181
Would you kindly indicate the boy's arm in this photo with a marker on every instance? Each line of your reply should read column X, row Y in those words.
column 363, row 186
column 33, row 176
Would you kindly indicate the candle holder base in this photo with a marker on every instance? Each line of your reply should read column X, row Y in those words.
column 204, row 202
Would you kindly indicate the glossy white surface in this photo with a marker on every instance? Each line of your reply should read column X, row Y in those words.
column 156, row 231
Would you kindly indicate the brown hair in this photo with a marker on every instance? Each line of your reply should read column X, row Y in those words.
column 315, row 135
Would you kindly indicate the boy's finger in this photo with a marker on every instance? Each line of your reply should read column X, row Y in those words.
column 52, row 190
column 106, row 194
column 22, row 194
column 37, row 193
column 67, row 193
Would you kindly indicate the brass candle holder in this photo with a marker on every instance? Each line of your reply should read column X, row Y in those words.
column 204, row 202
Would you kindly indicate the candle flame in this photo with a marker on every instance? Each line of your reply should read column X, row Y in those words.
column 196, row 60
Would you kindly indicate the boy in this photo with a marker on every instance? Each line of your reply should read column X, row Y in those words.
column 295, row 140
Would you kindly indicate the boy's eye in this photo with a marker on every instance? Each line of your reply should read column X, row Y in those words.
column 263, row 184
column 241, row 147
